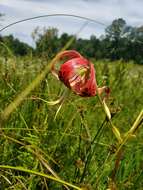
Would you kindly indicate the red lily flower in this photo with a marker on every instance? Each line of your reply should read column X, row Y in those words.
column 78, row 74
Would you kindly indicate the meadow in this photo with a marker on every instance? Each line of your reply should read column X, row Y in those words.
column 74, row 144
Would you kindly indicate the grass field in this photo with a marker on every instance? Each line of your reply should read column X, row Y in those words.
column 72, row 145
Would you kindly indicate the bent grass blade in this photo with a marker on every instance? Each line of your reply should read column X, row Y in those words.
column 40, row 174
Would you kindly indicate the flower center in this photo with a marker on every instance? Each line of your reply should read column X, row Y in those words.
column 80, row 76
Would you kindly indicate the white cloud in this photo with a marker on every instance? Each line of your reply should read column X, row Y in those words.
column 101, row 10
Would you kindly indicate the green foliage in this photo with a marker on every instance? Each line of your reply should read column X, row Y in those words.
column 123, row 41
column 14, row 45
column 47, row 42
column 116, row 29
column 78, row 146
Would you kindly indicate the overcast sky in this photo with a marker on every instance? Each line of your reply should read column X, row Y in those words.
column 104, row 11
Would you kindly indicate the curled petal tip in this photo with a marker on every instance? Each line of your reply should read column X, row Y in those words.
column 70, row 54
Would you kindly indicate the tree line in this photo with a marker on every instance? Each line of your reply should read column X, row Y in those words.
column 120, row 42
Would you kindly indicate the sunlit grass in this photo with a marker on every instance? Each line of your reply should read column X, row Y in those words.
column 78, row 145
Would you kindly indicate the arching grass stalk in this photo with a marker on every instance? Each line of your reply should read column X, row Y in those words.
column 53, row 15
column 40, row 174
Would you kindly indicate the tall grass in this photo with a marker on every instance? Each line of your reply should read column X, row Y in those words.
column 79, row 147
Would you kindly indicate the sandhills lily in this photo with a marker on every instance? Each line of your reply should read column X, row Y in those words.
column 77, row 73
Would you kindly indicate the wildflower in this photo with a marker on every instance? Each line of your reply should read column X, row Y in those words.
column 78, row 74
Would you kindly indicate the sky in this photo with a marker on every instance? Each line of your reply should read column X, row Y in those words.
column 104, row 11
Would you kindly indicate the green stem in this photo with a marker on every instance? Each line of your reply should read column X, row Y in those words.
column 90, row 151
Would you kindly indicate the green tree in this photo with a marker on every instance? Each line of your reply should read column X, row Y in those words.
column 114, row 35
column 47, row 42
column 14, row 45
column 116, row 30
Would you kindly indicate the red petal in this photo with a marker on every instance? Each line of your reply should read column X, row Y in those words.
column 69, row 69
column 70, row 54
column 89, row 89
